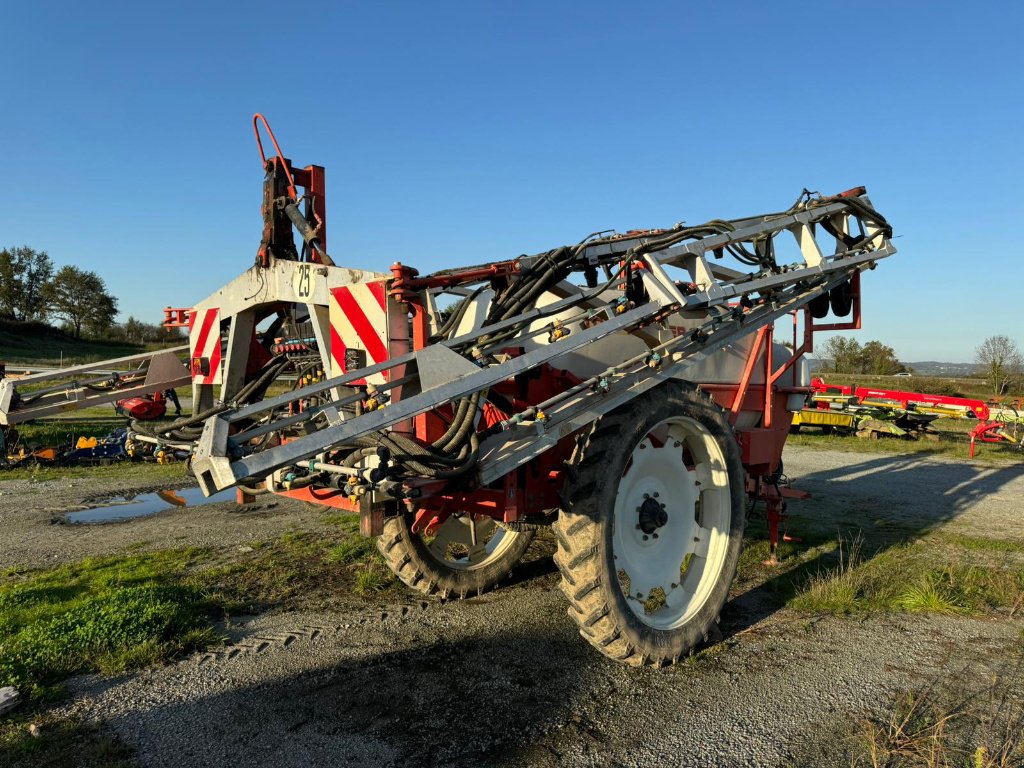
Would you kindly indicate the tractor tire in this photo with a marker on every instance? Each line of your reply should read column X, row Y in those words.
column 654, row 502
column 841, row 299
column 448, row 564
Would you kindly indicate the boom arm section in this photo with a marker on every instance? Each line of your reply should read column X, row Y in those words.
column 82, row 386
column 664, row 287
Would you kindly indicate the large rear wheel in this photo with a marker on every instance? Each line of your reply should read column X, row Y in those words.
column 650, row 536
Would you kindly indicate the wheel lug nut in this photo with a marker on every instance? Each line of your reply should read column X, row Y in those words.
column 647, row 496
column 645, row 537
column 655, row 494
column 654, row 535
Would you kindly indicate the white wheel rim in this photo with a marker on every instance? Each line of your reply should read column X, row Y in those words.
column 464, row 543
column 683, row 557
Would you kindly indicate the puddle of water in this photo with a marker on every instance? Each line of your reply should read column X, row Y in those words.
column 122, row 508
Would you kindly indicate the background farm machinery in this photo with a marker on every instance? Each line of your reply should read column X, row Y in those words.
column 628, row 390
column 875, row 412
column 137, row 386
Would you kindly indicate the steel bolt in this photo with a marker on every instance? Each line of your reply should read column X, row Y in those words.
column 645, row 537
column 655, row 494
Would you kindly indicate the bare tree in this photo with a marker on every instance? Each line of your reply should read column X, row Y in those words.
column 1000, row 360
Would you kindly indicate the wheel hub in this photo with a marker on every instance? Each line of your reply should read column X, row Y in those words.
column 672, row 501
column 652, row 516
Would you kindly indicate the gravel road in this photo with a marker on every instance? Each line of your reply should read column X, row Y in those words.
column 503, row 679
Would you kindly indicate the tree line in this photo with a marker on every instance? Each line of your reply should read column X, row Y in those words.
column 846, row 355
column 32, row 289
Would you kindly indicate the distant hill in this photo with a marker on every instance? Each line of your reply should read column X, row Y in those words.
column 925, row 368
column 934, row 368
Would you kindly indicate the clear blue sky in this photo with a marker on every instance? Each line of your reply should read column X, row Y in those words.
column 457, row 133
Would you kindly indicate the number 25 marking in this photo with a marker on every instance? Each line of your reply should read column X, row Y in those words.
column 304, row 285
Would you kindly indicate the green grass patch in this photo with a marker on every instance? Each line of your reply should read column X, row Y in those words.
column 115, row 613
column 296, row 570
column 347, row 521
column 918, row 577
column 59, row 743
column 101, row 614
column 374, row 578
column 122, row 470
column 353, row 549
column 36, row 343
column 980, row 543
column 64, row 432
column 884, row 568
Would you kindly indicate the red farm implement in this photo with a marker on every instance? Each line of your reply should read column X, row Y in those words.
column 629, row 390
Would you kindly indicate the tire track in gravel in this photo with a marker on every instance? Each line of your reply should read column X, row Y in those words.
column 263, row 642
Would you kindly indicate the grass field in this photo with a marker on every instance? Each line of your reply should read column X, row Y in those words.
column 39, row 344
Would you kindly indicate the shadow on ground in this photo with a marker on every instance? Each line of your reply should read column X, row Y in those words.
column 486, row 700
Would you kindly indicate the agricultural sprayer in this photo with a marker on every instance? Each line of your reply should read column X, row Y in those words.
column 629, row 391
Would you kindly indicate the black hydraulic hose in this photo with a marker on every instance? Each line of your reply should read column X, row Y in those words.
column 301, row 373
column 254, row 389
column 180, row 429
column 456, row 317
column 302, row 482
column 869, row 213
column 358, row 454
column 182, row 423
column 405, row 446
column 468, row 458
column 461, row 426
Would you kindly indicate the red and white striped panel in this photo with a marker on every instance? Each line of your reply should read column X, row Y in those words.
column 359, row 321
column 204, row 345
